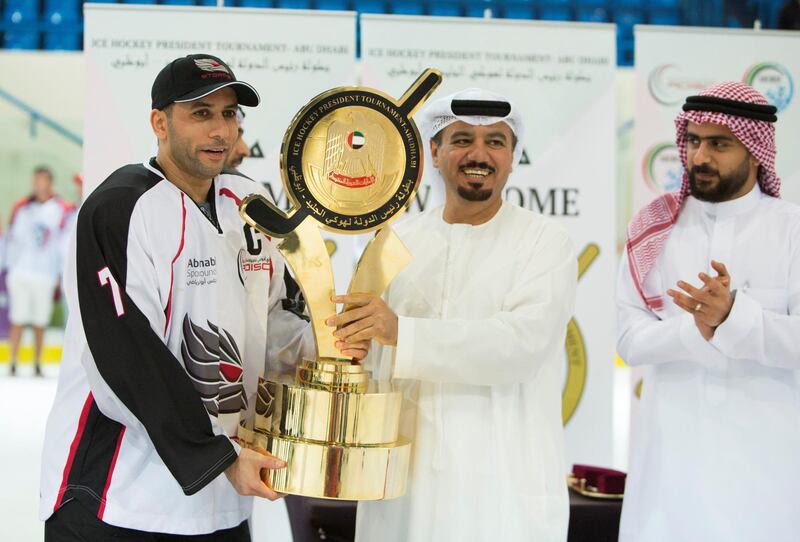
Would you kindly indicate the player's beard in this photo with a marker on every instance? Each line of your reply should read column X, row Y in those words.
column 186, row 159
column 728, row 185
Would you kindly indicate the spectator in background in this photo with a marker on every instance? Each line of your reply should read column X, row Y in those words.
column 293, row 302
column 240, row 149
column 70, row 221
column 789, row 18
column 4, row 323
column 33, row 261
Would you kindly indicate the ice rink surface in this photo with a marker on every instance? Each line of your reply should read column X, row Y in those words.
column 25, row 402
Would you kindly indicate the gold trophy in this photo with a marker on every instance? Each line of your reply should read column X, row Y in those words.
column 351, row 161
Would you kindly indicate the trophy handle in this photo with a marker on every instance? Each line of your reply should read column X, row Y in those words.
column 419, row 91
column 265, row 216
column 383, row 258
column 305, row 252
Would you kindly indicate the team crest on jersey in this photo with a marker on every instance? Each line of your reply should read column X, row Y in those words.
column 210, row 65
column 214, row 364
column 41, row 234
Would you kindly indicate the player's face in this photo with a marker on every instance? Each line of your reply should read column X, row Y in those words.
column 200, row 134
column 42, row 186
column 475, row 161
column 239, row 152
column 720, row 167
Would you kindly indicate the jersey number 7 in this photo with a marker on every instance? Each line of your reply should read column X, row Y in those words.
column 106, row 277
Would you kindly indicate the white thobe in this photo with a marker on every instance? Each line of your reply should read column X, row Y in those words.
column 482, row 320
column 716, row 456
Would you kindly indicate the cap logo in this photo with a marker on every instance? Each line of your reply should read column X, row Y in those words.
column 210, row 65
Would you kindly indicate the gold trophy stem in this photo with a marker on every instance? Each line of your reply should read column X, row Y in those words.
column 305, row 252
column 383, row 258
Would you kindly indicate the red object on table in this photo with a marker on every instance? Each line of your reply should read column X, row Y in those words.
column 601, row 479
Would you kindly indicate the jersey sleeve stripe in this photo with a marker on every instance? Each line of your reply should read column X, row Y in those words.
column 18, row 207
column 229, row 194
column 102, row 508
column 73, row 448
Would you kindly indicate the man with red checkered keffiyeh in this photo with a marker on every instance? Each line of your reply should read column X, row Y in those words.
column 709, row 303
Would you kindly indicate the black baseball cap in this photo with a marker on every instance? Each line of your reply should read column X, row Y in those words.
column 191, row 77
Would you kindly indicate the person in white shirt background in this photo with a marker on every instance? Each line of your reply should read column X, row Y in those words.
column 34, row 260
column 473, row 331
column 240, row 149
column 708, row 302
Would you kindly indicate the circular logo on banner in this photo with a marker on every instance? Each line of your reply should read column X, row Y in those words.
column 576, row 371
column 668, row 85
column 576, row 348
column 772, row 80
column 661, row 168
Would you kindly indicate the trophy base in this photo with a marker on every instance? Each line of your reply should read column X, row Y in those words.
column 337, row 431
column 330, row 471
column 299, row 412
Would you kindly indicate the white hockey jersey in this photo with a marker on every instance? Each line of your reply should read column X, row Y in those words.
column 34, row 240
column 166, row 339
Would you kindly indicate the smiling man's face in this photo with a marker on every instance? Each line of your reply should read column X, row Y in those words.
column 200, row 133
column 474, row 161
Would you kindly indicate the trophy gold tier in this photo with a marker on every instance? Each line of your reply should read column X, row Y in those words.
column 351, row 161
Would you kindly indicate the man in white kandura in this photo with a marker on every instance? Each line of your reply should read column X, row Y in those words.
column 717, row 453
column 473, row 329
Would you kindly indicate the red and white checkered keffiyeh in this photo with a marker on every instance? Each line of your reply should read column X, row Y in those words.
column 649, row 230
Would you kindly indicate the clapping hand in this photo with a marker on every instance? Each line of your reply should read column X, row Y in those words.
column 711, row 304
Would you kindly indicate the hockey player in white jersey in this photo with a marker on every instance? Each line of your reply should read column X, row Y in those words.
column 33, row 261
column 175, row 304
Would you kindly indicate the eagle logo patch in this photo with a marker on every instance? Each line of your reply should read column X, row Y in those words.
column 214, row 364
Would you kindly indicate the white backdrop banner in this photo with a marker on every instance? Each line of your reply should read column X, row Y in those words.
column 289, row 56
column 673, row 63
column 562, row 77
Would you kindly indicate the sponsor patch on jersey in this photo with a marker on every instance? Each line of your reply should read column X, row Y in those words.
column 249, row 264
column 201, row 271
